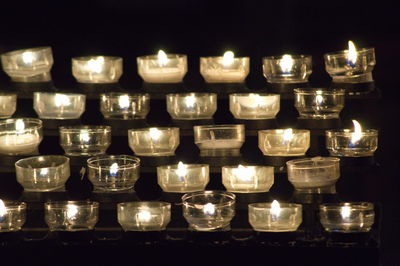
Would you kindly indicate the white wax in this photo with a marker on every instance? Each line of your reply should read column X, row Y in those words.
column 231, row 75
column 19, row 144
column 220, row 144
column 162, row 75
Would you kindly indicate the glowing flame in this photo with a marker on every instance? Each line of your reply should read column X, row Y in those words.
column 190, row 101
column 84, row 136
column 114, row 169
column 319, row 99
column 345, row 212
column 62, row 100
column 275, row 208
column 123, row 101
column 244, row 172
column 72, row 211
column 256, row 98
column 19, row 125
column 209, row 209
column 162, row 58
column 286, row 63
column 182, row 169
column 96, row 65
column 44, row 171
column 154, row 133
column 288, row 134
column 357, row 134
column 27, row 57
column 144, row 216
column 228, row 58
column 3, row 209
column 352, row 54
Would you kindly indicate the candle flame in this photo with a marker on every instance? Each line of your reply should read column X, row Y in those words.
column 123, row 101
column 209, row 209
column 44, row 172
column 228, row 58
column 144, row 216
column 3, row 209
column 275, row 208
column 352, row 54
column 256, row 98
column 84, row 136
column 162, row 58
column 286, row 63
column 96, row 65
column 114, row 169
column 27, row 57
column 345, row 212
column 72, row 211
column 356, row 135
column 319, row 99
column 19, row 125
column 182, row 169
column 244, row 173
column 62, row 100
column 154, row 133
column 288, row 134
column 190, row 101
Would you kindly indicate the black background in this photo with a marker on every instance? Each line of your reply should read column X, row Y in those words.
column 202, row 28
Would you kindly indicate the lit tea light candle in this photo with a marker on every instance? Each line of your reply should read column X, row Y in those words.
column 247, row 179
column 254, row 106
column 97, row 69
column 162, row 68
column 125, row 106
column 275, row 216
column 225, row 69
column 352, row 143
column 8, row 105
column 284, row 142
column 192, row 106
column 352, row 65
column 287, row 68
column 12, row 215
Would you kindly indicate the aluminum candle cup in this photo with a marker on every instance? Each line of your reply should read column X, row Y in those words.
column 154, row 141
column 28, row 65
column 209, row 210
column 287, row 68
column 309, row 174
column 97, row 69
column 319, row 103
column 352, row 217
column 284, row 142
column 191, row 106
column 247, row 179
column 85, row 140
column 275, row 216
column 144, row 215
column 71, row 215
column 51, row 105
column 8, row 105
column 20, row 136
column 43, row 173
column 12, row 216
column 124, row 105
column 183, row 178
column 253, row 106
column 111, row 173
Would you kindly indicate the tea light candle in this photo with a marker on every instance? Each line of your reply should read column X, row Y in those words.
column 287, row 68
column 284, row 142
column 28, row 65
column 183, row 178
column 225, row 69
column 347, row 217
column 162, row 68
column 8, row 105
column 254, row 106
column 144, row 215
column 247, row 179
column 192, row 106
column 97, row 69
column 12, row 216
column 124, row 106
column 352, row 65
column 155, row 141
column 20, row 136
column 352, row 143
column 275, row 216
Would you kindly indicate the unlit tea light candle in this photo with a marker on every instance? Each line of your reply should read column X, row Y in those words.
column 287, row 68
column 12, row 215
column 97, row 69
column 192, row 106
column 254, row 106
column 284, row 142
column 247, row 178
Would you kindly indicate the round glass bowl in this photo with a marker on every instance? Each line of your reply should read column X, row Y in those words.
column 28, row 65
column 85, row 140
column 170, row 70
column 265, row 217
column 8, row 105
column 155, row 141
column 183, row 178
column 342, row 70
column 248, row 178
column 112, row 173
column 344, row 142
column 209, row 210
column 43, row 173
column 349, row 217
column 319, row 103
column 254, row 106
column 71, row 215
column 287, row 68
column 124, row 106
column 20, row 136
column 51, row 105
column 191, row 106
column 12, row 216
column 97, row 69
column 144, row 215
column 217, row 70
column 308, row 174
column 284, row 142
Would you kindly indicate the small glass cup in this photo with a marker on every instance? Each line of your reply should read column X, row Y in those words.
column 154, row 70
column 209, row 210
column 20, row 136
column 313, row 174
column 71, row 215
column 284, row 142
column 144, row 215
column 43, row 173
column 215, row 70
column 28, row 65
column 248, row 178
column 12, row 216
column 113, row 173
column 191, row 106
column 287, row 68
column 85, row 140
column 8, row 105
column 319, row 103
column 52, row 105
column 154, row 141
column 286, row 217
column 183, row 178
column 341, row 142
column 214, row 140
column 124, row 106
column 254, row 106
column 97, row 69
column 347, row 217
